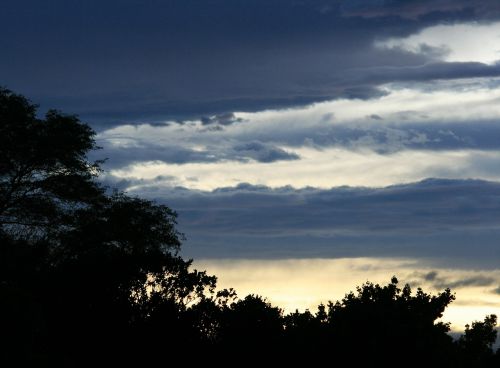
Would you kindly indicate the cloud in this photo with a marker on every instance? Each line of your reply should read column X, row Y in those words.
column 221, row 119
column 436, row 118
column 122, row 156
column 263, row 152
column 434, row 70
column 430, row 276
column 414, row 9
column 375, row 117
column 112, row 183
column 326, row 168
column 452, row 42
column 439, row 281
column 130, row 62
column 468, row 282
column 452, row 222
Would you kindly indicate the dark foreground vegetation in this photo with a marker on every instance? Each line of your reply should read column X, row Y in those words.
column 89, row 277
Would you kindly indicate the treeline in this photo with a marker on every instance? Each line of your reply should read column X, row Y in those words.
column 91, row 277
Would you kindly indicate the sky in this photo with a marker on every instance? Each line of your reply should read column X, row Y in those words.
column 326, row 142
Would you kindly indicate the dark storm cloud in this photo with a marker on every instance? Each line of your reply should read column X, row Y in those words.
column 130, row 60
column 446, row 220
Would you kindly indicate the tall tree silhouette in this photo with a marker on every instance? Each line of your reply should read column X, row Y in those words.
column 81, row 271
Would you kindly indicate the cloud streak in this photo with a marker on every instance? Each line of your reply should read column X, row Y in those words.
column 438, row 281
column 452, row 222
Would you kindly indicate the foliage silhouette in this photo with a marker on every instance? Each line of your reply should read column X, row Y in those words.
column 75, row 260
column 396, row 324
column 249, row 325
column 44, row 172
column 93, row 277
column 477, row 342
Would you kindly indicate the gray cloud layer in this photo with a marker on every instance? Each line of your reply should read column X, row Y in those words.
column 452, row 221
column 150, row 60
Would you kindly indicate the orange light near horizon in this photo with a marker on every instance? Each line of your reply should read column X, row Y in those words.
column 305, row 283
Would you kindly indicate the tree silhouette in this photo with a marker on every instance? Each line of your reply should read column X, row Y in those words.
column 391, row 325
column 477, row 341
column 251, row 324
column 82, row 271
column 44, row 172
column 307, row 334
